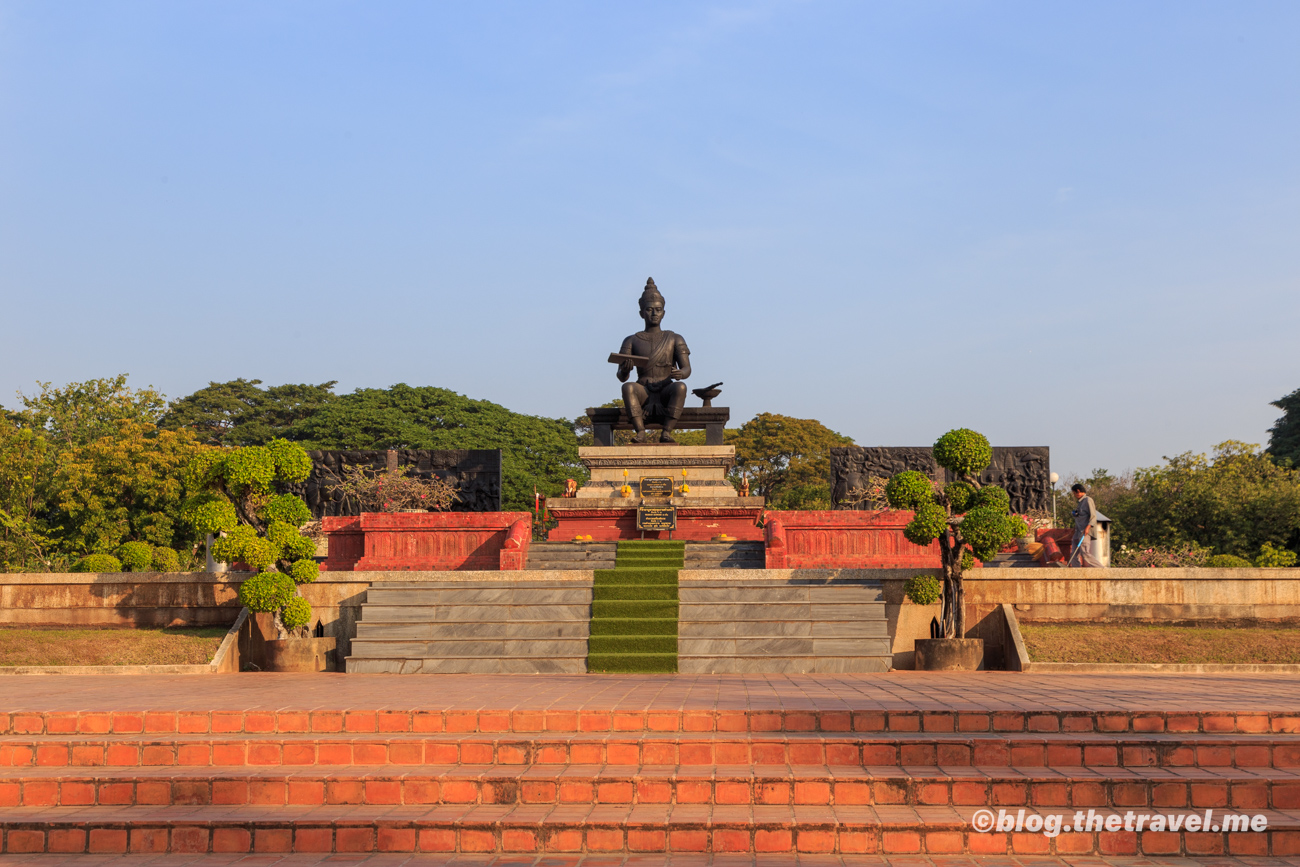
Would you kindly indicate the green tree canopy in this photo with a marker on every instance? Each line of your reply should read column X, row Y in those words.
column 239, row 413
column 787, row 459
column 1284, row 435
column 82, row 412
column 535, row 451
column 1234, row 502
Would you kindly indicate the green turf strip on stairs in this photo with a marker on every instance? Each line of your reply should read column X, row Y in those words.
column 634, row 609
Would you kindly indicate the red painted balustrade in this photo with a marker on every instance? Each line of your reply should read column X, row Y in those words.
column 844, row 540
column 427, row 541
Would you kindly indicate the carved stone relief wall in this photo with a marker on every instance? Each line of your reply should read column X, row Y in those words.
column 1022, row 470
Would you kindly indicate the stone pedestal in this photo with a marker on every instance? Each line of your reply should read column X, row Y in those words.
column 709, row 508
column 702, row 468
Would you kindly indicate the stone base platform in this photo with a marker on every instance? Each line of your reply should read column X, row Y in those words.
column 542, row 769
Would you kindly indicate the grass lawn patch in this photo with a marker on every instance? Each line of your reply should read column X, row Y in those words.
column 1141, row 643
column 80, row 646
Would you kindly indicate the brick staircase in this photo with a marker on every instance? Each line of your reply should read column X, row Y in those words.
column 608, row 781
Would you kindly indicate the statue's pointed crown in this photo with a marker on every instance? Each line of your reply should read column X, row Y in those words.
column 650, row 291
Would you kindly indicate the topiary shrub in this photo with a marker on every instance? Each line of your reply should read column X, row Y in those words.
column 166, row 560
column 267, row 592
column 1274, row 558
column 135, row 556
column 960, row 496
column 963, row 451
column 288, row 509
column 296, row 614
column 98, row 563
column 909, row 490
column 968, row 519
column 1227, row 561
column 992, row 496
column 923, row 589
column 304, row 571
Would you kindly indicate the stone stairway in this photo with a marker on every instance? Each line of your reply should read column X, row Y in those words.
column 600, row 555
column 576, row 778
column 473, row 626
column 571, row 555
column 729, row 624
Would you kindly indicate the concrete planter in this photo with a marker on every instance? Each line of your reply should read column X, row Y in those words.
column 300, row 654
column 949, row 654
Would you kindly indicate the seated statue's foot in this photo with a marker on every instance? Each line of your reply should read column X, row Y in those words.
column 640, row 437
column 667, row 437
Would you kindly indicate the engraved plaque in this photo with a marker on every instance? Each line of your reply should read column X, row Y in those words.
column 656, row 486
column 656, row 518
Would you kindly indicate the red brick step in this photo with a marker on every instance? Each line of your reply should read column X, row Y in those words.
column 615, row 829
column 578, row 784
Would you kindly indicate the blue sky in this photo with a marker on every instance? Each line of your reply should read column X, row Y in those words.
column 1070, row 224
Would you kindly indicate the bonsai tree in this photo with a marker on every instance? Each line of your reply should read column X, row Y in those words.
column 970, row 520
column 257, row 526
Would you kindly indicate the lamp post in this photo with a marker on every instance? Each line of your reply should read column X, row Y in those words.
column 1053, row 478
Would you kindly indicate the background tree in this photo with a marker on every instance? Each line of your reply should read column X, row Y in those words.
column 535, row 451
column 1284, row 435
column 239, row 413
column 966, row 517
column 123, row 487
column 788, row 460
column 82, row 412
column 25, row 470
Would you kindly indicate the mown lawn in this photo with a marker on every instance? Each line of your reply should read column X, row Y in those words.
column 59, row 646
column 1173, row 644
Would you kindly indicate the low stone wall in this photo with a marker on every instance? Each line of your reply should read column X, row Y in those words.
column 1037, row 595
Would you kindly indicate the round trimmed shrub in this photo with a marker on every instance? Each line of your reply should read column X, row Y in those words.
column 296, row 614
column 260, row 554
column 963, row 451
column 250, row 467
column 291, row 461
column 210, row 514
column 230, row 547
column 909, row 490
column 268, row 591
column 993, row 497
column 297, row 548
column 987, row 529
column 280, row 534
column 923, row 589
column 1227, row 561
column 304, row 571
column 135, row 556
column 98, row 563
column 926, row 525
column 166, row 560
column 288, row 509
column 959, row 496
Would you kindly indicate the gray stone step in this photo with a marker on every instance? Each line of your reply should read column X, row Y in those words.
column 690, row 592
column 473, row 630
column 876, row 628
column 467, row 665
column 784, row 647
column 722, row 612
column 576, row 595
column 475, row 613
column 545, row 648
